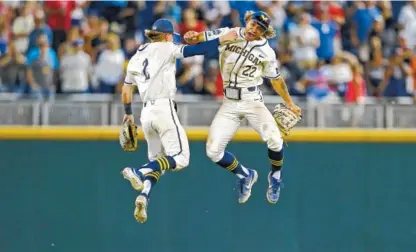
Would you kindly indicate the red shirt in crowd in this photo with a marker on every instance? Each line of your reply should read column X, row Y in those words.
column 355, row 89
column 59, row 20
column 184, row 28
column 334, row 10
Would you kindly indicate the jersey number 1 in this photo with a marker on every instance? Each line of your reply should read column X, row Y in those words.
column 249, row 73
column 145, row 73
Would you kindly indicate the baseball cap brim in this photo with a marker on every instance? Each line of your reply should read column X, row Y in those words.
column 262, row 25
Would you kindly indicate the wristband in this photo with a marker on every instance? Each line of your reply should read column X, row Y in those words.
column 127, row 109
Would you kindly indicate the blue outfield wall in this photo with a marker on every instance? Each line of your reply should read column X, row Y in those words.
column 69, row 196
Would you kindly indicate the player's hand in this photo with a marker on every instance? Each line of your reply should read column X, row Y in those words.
column 292, row 106
column 230, row 36
column 191, row 37
column 128, row 118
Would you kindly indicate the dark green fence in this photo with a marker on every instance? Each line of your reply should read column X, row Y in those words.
column 70, row 197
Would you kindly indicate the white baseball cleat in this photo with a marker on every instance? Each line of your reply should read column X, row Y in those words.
column 136, row 180
column 140, row 212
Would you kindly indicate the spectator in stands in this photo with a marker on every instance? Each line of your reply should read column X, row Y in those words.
column 42, row 63
column 59, row 19
column 304, row 42
column 368, row 29
column 12, row 69
column 407, row 15
column 75, row 69
column 335, row 13
column 364, row 18
column 99, row 39
column 110, row 66
column 356, row 87
column 355, row 95
column 40, row 28
column 316, row 84
column 277, row 13
column 91, row 31
column 328, row 30
column 387, row 36
column 339, row 72
column 396, row 77
column 66, row 47
column 23, row 25
column 191, row 23
column 292, row 12
column 375, row 69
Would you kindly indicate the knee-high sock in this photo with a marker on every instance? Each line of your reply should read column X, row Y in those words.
column 276, row 160
column 229, row 162
column 158, row 165
column 149, row 182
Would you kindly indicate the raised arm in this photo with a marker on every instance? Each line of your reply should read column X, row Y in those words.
column 193, row 37
column 185, row 51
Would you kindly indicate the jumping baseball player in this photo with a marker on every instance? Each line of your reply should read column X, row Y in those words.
column 152, row 70
column 244, row 64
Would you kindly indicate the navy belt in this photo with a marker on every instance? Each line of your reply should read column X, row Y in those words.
column 251, row 89
column 175, row 105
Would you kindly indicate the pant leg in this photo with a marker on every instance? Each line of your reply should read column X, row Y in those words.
column 173, row 136
column 154, row 144
column 262, row 121
column 222, row 129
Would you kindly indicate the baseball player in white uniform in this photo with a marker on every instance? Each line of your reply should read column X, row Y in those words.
column 152, row 69
column 244, row 64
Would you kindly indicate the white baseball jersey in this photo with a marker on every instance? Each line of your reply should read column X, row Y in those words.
column 153, row 69
column 244, row 63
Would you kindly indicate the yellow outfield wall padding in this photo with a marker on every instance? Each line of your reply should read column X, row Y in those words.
column 200, row 134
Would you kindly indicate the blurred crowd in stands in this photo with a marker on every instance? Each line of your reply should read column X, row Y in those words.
column 327, row 49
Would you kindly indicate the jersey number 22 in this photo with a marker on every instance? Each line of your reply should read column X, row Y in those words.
column 249, row 71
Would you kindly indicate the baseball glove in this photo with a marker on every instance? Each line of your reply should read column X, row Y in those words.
column 285, row 118
column 128, row 136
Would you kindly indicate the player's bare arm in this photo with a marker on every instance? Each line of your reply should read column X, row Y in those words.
column 126, row 99
column 279, row 85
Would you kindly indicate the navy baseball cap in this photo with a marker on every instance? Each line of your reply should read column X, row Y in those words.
column 262, row 19
column 163, row 25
